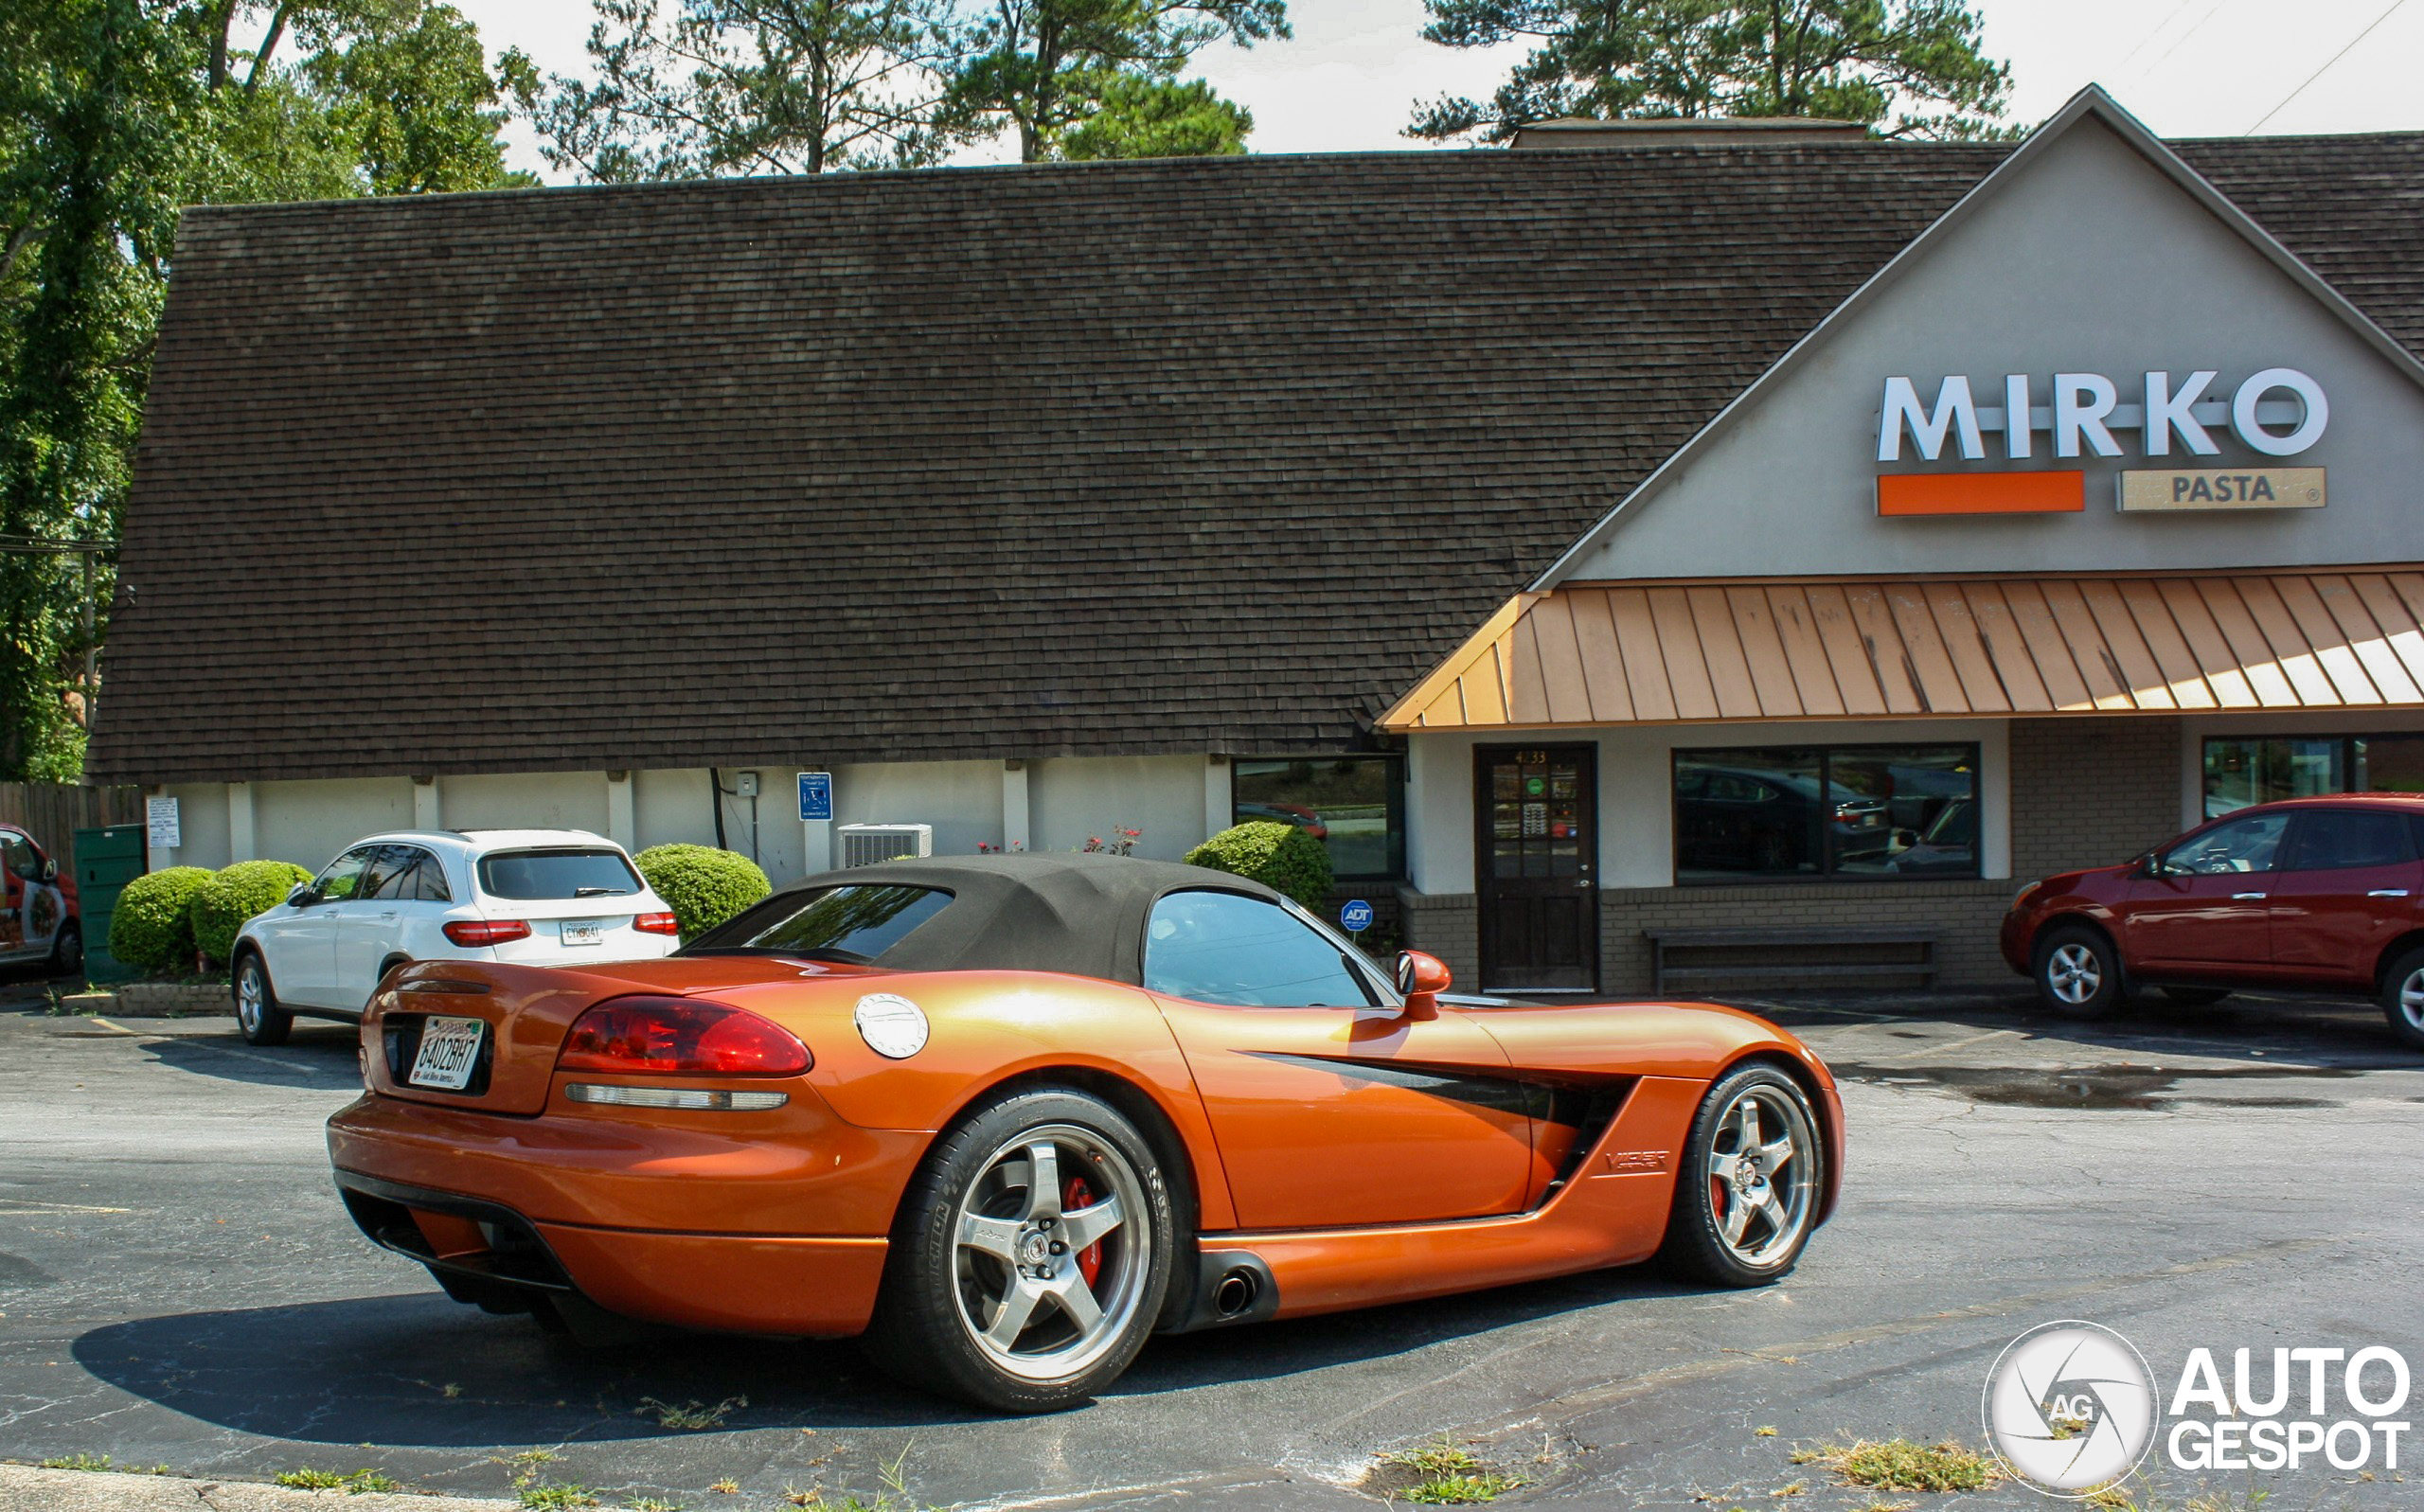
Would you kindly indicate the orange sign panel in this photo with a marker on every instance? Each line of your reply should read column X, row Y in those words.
column 1901, row 493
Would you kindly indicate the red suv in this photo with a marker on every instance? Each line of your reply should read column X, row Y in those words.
column 2319, row 893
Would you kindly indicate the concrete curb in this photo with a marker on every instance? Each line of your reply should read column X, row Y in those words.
column 150, row 999
column 26, row 1489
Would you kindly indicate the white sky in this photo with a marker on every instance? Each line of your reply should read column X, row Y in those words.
column 1349, row 79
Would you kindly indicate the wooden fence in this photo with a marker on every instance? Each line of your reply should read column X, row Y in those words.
column 52, row 812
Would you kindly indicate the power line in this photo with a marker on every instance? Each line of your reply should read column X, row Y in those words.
column 2181, row 41
column 2344, row 52
column 2152, row 32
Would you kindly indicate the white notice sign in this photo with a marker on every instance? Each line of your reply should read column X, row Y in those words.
column 160, row 819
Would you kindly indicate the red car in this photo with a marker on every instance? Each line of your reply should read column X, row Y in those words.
column 2324, row 894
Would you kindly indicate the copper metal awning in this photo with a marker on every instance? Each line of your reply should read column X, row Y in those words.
column 1909, row 648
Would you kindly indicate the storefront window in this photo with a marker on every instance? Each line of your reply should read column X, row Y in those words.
column 2243, row 769
column 1355, row 806
column 1785, row 811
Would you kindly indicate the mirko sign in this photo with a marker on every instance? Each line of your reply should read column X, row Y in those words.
column 2273, row 413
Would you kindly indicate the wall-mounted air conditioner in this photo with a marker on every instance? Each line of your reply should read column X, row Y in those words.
column 865, row 845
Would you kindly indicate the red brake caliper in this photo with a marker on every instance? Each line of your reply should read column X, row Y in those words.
column 1077, row 1194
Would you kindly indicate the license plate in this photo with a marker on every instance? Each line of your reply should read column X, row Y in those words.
column 584, row 931
column 448, row 1049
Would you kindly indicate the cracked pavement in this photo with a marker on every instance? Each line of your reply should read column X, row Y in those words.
column 180, row 1286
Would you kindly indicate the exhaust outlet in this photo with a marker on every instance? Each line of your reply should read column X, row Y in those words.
column 1234, row 1296
column 1230, row 1286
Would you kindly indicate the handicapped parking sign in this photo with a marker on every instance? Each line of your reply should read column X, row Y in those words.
column 1356, row 916
column 816, row 795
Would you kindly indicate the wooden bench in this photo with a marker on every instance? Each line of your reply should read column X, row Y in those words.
column 1665, row 968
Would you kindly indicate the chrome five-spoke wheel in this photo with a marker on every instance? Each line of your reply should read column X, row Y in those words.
column 2072, row 972
column 2078, row 972
column 1759, row 1168
column 2403, row 998
column 1050, row 1273
column 1753, row 1180
column 1033, row 1255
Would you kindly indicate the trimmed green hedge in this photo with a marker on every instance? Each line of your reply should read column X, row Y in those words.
column 702, row 885
column 222, row 904
column 152, row 930
column 1279, row 856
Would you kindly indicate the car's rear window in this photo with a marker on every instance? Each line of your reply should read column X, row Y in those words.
column 853, row 923
column 540, row 874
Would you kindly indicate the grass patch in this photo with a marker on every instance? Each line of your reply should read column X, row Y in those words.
column 893, row 1498
column 533, row 1488
column 352, row 1482
column 1440, row 1473
column 652, row 1503
column 692, row 1416
column 101, row 1462
column 1901, row 1465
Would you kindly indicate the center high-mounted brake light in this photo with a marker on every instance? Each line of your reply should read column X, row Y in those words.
column 657, row 924
column 487, row 930
column 681, row 1035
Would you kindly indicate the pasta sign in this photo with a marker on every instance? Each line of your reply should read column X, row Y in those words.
column 2276, row 411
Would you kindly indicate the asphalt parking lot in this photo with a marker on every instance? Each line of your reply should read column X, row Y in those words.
column 179, row 1286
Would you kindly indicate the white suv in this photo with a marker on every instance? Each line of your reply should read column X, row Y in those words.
column 536, row 897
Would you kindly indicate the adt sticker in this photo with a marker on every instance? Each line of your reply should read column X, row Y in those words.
column 816, row 795
column 1356, row 916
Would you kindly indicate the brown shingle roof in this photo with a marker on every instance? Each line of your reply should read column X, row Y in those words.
column 1113, row 458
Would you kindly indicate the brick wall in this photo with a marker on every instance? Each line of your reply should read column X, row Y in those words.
column 1963, row 917
column 1447, row 925
column 2084, row 793
column 2091, row 791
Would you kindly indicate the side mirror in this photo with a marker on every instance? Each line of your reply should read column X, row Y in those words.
column 50, row 870
column 1421, row 980
column 300, row 895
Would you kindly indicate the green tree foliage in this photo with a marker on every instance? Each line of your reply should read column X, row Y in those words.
column 1044, row 68
column 152, row 928
column 1916, row 62
column 702, row 885
column 112, row 115
column 1282, row 857
column 1139, row 116
column 714, row 87
column 234, row 894
column 704, row 88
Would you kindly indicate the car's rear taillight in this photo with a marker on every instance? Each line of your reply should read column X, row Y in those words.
column 657, row 924
column 684, row 1034
column 487, row 930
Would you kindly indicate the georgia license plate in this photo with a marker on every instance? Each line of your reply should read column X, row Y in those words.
column 448, row 1049
column 584, row 931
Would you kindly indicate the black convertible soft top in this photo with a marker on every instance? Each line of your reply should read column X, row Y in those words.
column 1078, row 913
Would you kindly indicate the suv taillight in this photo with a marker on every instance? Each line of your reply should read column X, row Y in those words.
column 487, row 930
column 683, row 1035
column 657, row 924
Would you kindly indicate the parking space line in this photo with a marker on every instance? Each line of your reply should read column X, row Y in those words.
column 1939, row 1049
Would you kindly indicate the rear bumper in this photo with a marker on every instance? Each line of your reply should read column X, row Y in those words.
column 667, row 1218
column 741, row 1283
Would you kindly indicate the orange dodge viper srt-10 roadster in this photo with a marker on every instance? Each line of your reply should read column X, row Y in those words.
column 1007, row 1116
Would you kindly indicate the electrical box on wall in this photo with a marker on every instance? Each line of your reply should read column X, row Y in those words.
column 744, row 784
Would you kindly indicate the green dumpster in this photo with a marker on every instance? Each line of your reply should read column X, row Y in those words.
column 106, row 861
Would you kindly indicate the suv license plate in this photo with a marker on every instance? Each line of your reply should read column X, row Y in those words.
column 584, row 931
column 448, row 1049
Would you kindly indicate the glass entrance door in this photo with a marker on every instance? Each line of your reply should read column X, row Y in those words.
column 1536, row 859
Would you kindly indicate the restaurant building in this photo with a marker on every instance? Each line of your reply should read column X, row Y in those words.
column 1631, row 535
